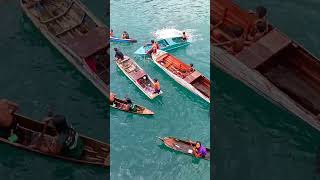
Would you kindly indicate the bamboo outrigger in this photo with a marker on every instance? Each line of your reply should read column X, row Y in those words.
column 273, row 65
column 76, row 33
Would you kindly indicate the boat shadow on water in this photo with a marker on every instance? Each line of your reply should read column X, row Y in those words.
column 193, row 161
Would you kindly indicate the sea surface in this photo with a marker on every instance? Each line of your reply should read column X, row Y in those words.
column 136, row 153
column 36, row 76
column 254, row 139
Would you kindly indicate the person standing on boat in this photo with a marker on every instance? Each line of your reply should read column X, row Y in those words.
column 184, row 36
column 7, row 121
column 199, row 150
column 154, row 47
column 156, row 87
column 119, row 54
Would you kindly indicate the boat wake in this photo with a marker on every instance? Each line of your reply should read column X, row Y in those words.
column 169, row 32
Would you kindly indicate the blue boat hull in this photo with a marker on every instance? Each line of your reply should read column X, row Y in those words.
column 115, row 39
column 165, row 45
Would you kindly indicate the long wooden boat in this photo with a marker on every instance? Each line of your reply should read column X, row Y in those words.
column 182, row 146
column 116, row 39
column 275, row 66
column 76, row 33
column 95, row 152
column 121, row 104
column 183, row 73
column 168, row 44
column 136, row 74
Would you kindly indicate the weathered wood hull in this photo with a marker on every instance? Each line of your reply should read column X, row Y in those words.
column 254, row 79
column 69, row 54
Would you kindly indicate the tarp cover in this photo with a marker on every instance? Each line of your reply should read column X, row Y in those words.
column 90, row 43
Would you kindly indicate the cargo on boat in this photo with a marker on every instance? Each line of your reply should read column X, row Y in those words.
column 76, row 33
column 183, row 73
column 273, row 65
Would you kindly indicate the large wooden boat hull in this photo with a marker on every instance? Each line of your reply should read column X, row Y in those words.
column 149, row 94
column 182, row 146
column 178, row 79
column 96, row 152
column 74, row 58
column 142, row 110
column 168, row 44
column 255, row 74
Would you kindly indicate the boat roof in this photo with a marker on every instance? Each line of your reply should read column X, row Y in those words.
column 92, row 42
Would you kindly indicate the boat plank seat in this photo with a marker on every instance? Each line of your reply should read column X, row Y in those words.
column 137, row 75
column 263, row 49
column 130, row 68
column 72, row 27
column 193, row 76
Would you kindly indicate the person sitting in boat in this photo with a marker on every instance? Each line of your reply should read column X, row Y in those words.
column 260, row 32
column 155, row 46
column 199, row 150
column 261, row 14
column 130, row 105
column 111, row 33
column 184, row 36
column 7, row 121
column 156, row 87
column 119, row 54
column 125, row 35
column 66, row 142
column 236, row 44
column 112, row 98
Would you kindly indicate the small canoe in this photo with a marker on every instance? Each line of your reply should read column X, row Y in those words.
column 185, row 75
column 115, row 39
column 135, row 73
column 168, row 44
column 95, row 152
column 121, row 104
column 182, row 146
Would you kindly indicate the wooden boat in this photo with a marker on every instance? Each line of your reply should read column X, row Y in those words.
column 136, row 74
column 182, row 146
column 76, row 33
column 275, row 66
column 183, row 73
column 95, row 152
column 121, row 104
column 168, row 44
column 116, row 39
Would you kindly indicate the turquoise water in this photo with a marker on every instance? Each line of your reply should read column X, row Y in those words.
column 36, row 76
column 135, row 151
column 254, row 139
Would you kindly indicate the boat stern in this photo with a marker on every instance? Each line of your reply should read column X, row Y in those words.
column 141, row 51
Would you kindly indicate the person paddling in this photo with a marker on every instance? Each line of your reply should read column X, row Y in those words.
column 199, row 150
